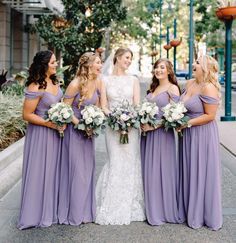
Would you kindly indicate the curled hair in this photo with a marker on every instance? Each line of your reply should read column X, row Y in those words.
column 210, row 71
column 171, row 75
column 120, row 52
column 39, row 68
column 83, row 73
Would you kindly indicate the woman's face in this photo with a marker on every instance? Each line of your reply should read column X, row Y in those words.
column 52, row 66
column 197, row 68
column 161, row 71
column 125, row 60
column 96, row 66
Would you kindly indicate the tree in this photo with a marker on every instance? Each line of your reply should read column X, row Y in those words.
column 81, row 28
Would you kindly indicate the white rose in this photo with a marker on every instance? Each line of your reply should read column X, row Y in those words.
column 66, row 115
column 148, row 109
column 85, row 115
column 124, row 117
column 88, row 120
column 177, row 116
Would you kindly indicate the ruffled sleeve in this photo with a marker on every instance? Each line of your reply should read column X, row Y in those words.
column 209, row 100
column 66, row 96
column 174, row 97
column 32, row 95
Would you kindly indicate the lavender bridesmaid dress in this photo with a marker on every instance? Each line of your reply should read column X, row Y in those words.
column 77, row 192
column 40, row 178
column 160, row 170
column 201, row 168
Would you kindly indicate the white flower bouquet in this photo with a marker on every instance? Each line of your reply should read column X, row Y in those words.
column 60, row 114
column 122, row 118
column 93, row 120
column 147, row 113
column 174, row 115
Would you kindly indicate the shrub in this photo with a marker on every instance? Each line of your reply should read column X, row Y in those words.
column 12, row 126
column 13, row 89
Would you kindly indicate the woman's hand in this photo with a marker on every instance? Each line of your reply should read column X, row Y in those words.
column 89, row 132
column 146, row 127
column 179, row 129
column 61, row 128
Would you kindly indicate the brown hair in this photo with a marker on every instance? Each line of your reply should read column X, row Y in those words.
column 120, row 52
column 171, row 75
column 83, row 73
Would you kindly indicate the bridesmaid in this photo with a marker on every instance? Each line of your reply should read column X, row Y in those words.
column 199, row 153
column 158, row 152
column 40, row 178
column 76, row 196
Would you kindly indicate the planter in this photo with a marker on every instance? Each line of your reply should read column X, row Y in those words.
column 167, row 47
column 175, row 42
column 227, row 13
column 154, row 53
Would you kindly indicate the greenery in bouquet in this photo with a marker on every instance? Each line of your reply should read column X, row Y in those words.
column 174, row 115
column 93, row 121
column 122, row 118
column 60, row 114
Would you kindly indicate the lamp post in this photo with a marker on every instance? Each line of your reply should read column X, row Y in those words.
column 167, row 39
column 175, row 35
column 191, row 39
column 227, row 15
column 160, row 1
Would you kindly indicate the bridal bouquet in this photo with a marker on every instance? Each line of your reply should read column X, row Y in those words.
column 60, row 114
column 93, row 120
column 147, row 113
column 122, row 118
column 174, row 115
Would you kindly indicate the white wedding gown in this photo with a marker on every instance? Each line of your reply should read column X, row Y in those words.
column 119, row 190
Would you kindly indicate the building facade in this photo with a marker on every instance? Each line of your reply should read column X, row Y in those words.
column 17, row 44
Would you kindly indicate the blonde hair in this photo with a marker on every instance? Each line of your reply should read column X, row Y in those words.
column 84, row 74
column 210, row 69
column 120, row 52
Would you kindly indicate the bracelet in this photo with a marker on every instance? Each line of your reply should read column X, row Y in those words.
column 189, row 125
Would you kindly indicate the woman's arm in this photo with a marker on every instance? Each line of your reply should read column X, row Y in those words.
column 103, row 99
column 71, row 91
column 210, row 110
column 29, row 108
column 136, row 96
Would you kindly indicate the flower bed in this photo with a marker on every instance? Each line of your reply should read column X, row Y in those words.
column 12, row 126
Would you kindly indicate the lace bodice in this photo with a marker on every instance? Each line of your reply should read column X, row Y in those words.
column 119, row 88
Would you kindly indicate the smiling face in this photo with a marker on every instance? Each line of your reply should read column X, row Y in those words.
column 124, row 60
column 197, row 68
column 96, row 66
column 160, row 71
column 52, row 66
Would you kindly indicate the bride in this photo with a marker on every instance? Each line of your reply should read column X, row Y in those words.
column 119, row 190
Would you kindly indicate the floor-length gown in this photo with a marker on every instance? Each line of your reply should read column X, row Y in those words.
column 201, row 168
column 119, row 190
column 160, row 169
column 40, row 176
column 77, row 185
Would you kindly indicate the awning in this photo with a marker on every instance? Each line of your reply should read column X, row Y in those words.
column 33, row 7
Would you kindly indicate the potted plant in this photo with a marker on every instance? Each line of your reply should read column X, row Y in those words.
column 167, row 47
column 226, row 10
column 176, row 42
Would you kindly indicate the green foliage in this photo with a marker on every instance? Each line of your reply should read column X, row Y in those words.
column 83, row 32
column 13, row 89
column 208, row 27
column 12, row 125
